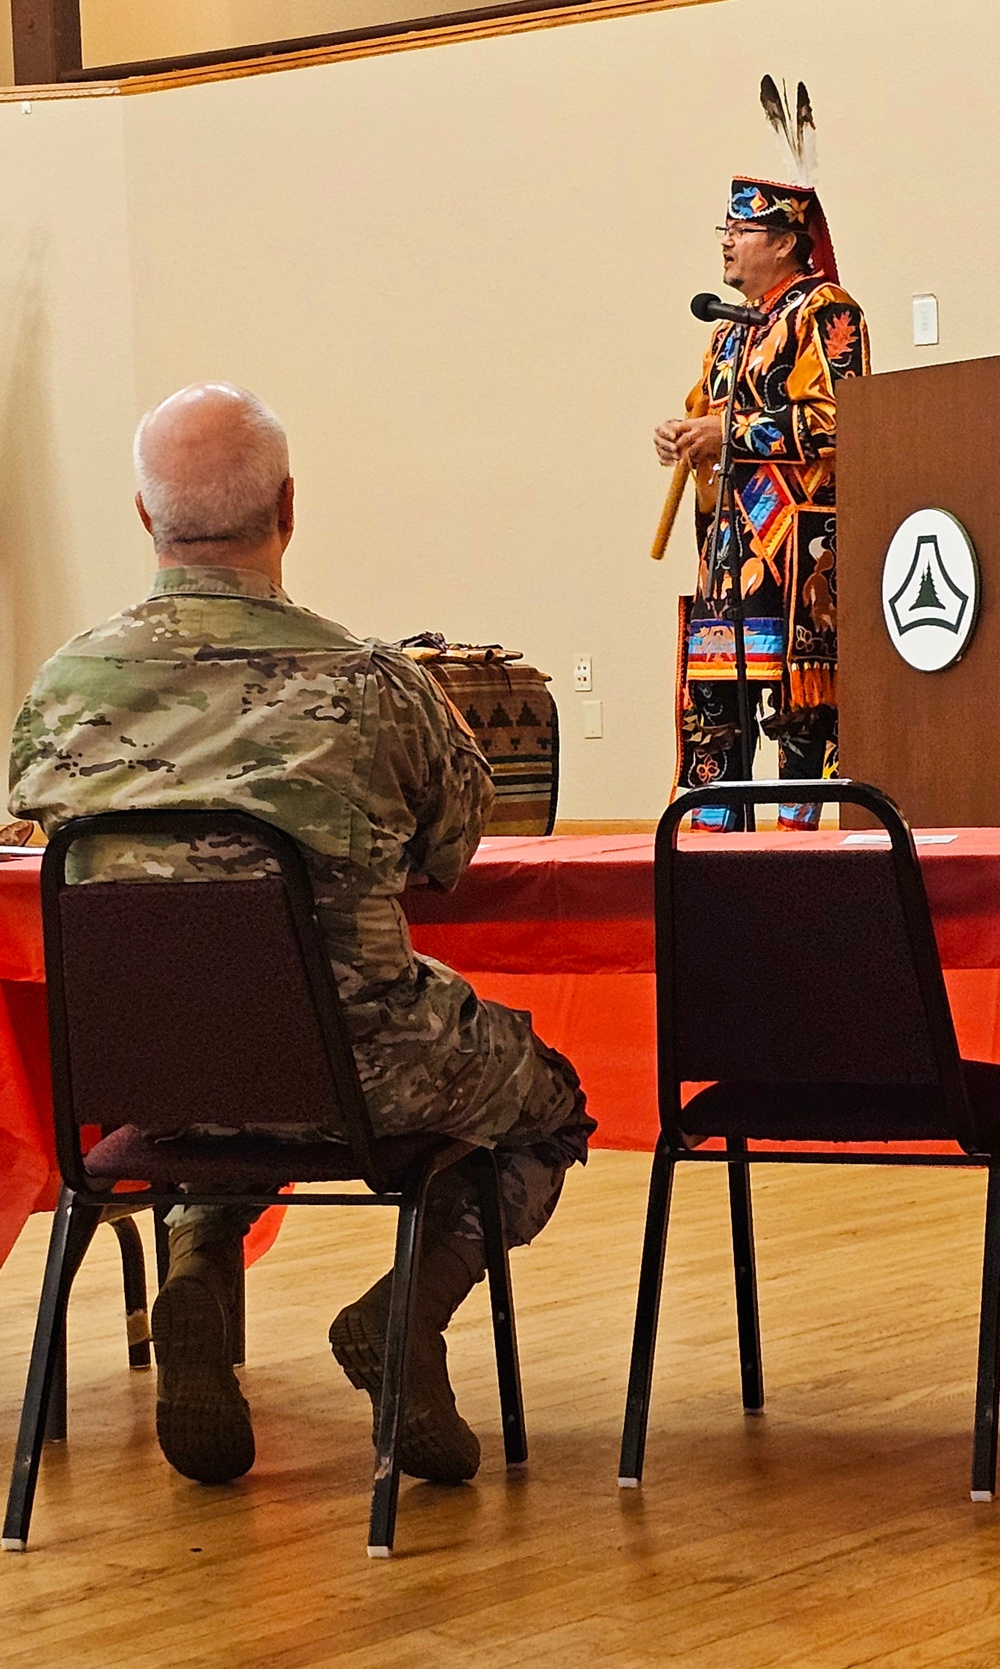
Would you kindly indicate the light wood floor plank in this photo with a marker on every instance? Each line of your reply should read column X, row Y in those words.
column 836, row 1532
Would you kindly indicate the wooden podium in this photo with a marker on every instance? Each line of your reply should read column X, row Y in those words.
column 906, row 441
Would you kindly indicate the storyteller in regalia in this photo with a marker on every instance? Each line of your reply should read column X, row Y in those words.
column 776, row 250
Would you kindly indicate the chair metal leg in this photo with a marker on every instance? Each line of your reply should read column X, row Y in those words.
column 984, row 1446
column 56, row 1420
column 162, row 1240
column 385, row 1491
column 73, row 1229
column 515, row 1437
column 647, row 1311
column 134, row 1282
column 745, row 1267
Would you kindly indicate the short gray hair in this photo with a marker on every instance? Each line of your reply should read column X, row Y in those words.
column 239, row 504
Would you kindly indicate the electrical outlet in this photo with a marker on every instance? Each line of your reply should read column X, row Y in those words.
column 583, row 673
column 926, row 333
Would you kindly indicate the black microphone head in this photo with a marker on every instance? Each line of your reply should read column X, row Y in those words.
column 701, row 307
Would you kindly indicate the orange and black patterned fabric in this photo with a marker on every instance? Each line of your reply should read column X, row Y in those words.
column 784, row 474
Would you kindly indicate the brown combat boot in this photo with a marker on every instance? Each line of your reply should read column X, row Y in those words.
column 434, row 1441
column 202, row 1418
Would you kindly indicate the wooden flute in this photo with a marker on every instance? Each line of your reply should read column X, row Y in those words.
column 675, row 492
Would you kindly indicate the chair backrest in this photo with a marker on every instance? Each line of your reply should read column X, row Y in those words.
column 209, row 1003
column 783, row 964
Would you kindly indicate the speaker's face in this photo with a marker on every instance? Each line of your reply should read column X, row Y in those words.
column 753, row 259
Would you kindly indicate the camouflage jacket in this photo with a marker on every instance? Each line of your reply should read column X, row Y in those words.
column 218, row 691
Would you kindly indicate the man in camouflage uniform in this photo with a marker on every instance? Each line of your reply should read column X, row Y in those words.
column 218, row 692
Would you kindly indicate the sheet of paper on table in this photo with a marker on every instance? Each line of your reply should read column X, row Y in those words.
column 880, row 837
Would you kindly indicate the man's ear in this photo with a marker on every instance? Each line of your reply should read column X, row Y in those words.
column 143, row 513
column 286, row 510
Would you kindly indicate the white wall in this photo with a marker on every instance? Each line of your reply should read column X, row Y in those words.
column 67, row 391
column 433, row 275
column 462, row 276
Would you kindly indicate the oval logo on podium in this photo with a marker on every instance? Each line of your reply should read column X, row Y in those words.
column 930, row 590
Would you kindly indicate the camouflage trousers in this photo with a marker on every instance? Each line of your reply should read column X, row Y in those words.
column 501, row 1087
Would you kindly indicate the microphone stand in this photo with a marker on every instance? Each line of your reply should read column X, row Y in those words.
column 734, row 608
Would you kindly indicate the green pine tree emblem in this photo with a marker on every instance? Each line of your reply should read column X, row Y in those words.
column 927, row 596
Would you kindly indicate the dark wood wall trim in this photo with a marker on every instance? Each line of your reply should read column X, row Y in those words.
column 47, row 43
column 153, row 75
column 313, row 43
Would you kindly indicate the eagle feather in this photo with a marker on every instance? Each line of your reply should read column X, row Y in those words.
column 805, row 135
column 795, row 132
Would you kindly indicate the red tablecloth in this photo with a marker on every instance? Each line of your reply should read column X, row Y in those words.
column 561, row 926
column 564, row 926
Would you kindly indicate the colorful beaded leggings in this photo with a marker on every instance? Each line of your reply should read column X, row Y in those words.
column 807, row 744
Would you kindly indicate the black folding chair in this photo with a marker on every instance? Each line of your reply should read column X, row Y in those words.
column 266, row 1038
column 806, row 985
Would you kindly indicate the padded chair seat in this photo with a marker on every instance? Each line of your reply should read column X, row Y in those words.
column 844, row 1112
column 254, row 1165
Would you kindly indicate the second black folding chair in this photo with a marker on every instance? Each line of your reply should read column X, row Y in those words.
column 801, row 980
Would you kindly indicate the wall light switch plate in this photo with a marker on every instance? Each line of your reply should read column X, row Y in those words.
column 583, row 673
column 925, row 322
column 593, row 718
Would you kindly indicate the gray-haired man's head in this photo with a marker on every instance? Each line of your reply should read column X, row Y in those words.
column 211, row 466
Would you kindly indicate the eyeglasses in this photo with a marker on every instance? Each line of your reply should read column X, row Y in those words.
column 738, row 229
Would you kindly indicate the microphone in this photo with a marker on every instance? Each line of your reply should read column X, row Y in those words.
column 708, row 307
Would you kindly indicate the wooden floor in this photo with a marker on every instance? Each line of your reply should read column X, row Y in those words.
column 835, row 1532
